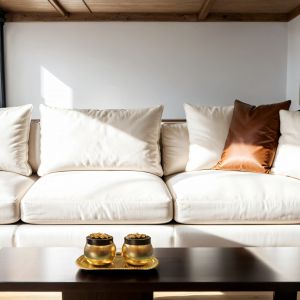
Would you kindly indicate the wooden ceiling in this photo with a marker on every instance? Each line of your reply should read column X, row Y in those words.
column 150, row 10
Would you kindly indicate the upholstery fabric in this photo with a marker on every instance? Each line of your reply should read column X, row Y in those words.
column 287, row 159
column 14, row 135
column 29, row 235
column 12, row 188
column 34, row 145
column 208, row 128
column 253, row 137
column 175, row 147
column 237, row 236
column 98, row 197
column 7, row 235
column 166, row 235
column 230, row 197
column 100, row 140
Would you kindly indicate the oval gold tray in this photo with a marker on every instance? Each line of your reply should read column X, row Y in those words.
column 117, row 264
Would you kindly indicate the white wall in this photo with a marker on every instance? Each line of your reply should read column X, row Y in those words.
column 293, row 64
column 110, row 65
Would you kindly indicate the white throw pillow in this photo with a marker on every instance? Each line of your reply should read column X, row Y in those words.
column 208, row 129
column 116, row 139
column 287, row 160
column 14, row 135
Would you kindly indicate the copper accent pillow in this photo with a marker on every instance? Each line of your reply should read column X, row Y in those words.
column 252, row 138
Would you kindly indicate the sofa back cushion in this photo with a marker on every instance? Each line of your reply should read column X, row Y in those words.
column 34, row 145
column 100, row 140
column 175, row 147
column 14, row 135
column 287, row 160
column 208, row 128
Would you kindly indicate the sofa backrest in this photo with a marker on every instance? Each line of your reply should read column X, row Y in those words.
column 174, row 146
column 34, row 145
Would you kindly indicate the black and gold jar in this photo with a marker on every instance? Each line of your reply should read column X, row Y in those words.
column 99, row 249
column 137, row 249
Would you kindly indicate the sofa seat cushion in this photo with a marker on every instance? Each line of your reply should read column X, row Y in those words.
column 12, row 188
column 230, row 197
column 98, row 197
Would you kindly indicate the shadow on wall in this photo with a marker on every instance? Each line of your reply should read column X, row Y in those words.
column 55, row 92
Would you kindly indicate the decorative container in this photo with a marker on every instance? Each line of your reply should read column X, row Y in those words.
column 99, row 249
column 137, row 249
column 118, row 264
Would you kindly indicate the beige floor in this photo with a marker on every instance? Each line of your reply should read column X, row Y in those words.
column 158, row 296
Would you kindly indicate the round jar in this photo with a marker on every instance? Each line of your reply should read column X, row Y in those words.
column 137, row 249
column 99, row 251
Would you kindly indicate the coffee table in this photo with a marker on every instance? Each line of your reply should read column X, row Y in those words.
column 180, row 269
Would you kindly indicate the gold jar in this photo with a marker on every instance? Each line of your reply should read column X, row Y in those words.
column 137, row 249
column 99, row 249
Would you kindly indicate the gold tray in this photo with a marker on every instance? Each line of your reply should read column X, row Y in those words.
column 118, row 264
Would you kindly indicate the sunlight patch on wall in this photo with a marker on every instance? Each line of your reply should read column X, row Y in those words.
column 54, row 91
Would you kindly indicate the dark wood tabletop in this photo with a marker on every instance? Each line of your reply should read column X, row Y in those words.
column 180, row 269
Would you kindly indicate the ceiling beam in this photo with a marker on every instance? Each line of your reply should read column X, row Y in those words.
column 294, row 13
column 247, row 17
column 101, row 17
column 59, row 8
column 205, row 9
column 87, row 6
column 145, row 17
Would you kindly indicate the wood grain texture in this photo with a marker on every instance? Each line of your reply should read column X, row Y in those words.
column 74, row 6
column 145, row 6
column 145, row 17
column 157, row 296
column 294, row 13
column 87, row 6
column 40, row 6
column 180, row 269
column 107, row 296
column 58, row 7
column 101, row 17
column 205, row 9
column 254, row 6
column 247, row 17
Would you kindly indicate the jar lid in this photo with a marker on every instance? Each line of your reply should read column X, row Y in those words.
column 137, row 242
column 99, row 242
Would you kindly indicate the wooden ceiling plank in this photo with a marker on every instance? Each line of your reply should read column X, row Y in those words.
column 58, row 6
column 28, row 6
column 73, row 6
column 294, row 13
column 88, row 8
column 205, row 9
column 144, row 6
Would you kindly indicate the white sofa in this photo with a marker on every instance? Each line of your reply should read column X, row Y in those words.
column 185, row 209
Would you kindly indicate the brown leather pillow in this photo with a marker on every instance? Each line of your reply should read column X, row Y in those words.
column 252, row 138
